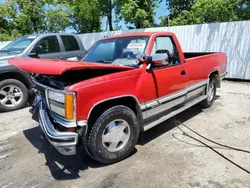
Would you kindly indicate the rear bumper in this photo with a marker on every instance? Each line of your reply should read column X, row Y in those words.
column 64, row 142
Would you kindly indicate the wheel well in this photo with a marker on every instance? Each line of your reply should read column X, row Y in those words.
column 17, row 76
column 129, row 102
column 216, row 76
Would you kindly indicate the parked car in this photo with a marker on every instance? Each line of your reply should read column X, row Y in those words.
column 14, row 84
column 125, row 84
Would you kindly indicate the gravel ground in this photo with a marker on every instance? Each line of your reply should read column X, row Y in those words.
column 164, row 157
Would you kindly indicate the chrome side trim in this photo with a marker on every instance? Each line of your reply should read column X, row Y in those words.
column 143, row 106
column 163, row 107
column 117, row 97
column 223, row 75
column 172, row 96
column 196, row 92
column 163, row 99
column 164, row 118
column 202, row 83
column 82, row 123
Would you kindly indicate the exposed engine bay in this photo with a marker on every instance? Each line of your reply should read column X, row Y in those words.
column 71, row 77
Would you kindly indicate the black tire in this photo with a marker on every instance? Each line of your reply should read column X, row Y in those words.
column 23, row 90
column 208, row 102
column 95, row 145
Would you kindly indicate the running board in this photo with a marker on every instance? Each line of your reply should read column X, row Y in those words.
column 171, row 114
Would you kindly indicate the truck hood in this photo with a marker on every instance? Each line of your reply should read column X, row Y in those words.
column 58, row 67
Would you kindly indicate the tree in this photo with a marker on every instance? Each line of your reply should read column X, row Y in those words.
column 26, row 16
column 57, row 16
column 177, row 6
column 4, row 32
column 106, row 9
column 207, row 11
column 3, row 21
column 243, row 10
column 140, row 13
column 86, row 16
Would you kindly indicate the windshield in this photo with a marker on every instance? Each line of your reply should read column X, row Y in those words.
column 122, row 51
column 19, row 45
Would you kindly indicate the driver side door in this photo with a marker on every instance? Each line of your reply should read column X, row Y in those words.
column 166, row 82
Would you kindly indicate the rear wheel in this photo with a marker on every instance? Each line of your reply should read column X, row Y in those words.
column 211, row 93
column 114, row 135
column 13, row 95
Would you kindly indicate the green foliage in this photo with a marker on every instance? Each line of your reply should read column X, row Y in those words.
column 177, row 6
column 26, row 15
column 21, row 17
column 86, row 16
column 207, row 11
column 57, row 16
column 243, row 10
column 139, row 13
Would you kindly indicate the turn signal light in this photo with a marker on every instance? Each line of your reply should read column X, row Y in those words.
column 69, row 106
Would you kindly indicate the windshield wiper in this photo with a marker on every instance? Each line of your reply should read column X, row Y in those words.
column 103, row 61
column 5, row 51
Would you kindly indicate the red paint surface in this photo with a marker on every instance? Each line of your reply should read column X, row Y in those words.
column 57, row 67
column 145, row 86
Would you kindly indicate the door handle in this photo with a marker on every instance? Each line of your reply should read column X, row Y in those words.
column 183, row 72
column 61, row 58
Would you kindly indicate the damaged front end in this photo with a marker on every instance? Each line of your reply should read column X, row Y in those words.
column 64, row 142
column 54, row 110
column 54, row 107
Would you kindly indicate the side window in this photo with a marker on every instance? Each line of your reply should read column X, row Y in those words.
column 166, row 45
column 47, row 45
column 70, row 43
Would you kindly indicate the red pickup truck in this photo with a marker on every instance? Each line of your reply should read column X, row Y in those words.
column 124, row 84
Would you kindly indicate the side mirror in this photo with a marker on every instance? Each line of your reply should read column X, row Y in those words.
column 155, row 60
column 159, row 60
column 37, row 50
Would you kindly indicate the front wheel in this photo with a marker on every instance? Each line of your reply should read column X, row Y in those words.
column 114, row 135
column 211, row 93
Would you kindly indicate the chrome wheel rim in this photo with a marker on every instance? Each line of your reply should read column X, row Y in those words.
column 11, row 96
column 211, row 92
column 116, row 135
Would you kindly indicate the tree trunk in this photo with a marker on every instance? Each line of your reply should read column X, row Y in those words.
column 110, row 15
column 138, row 25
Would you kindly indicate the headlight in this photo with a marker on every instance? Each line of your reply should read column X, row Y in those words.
column 61, row 103
column 55, row 96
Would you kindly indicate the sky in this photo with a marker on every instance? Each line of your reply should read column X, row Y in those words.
column 161, row 11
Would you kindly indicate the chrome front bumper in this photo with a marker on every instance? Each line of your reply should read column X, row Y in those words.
column 64, row 142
